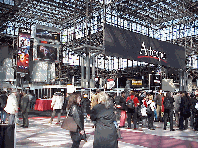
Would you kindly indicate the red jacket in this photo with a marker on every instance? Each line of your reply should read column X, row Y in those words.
column 162, row 104
column 145, row 104
column 135, row 99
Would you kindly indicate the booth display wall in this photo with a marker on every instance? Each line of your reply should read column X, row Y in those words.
column 7, row 71
column 167, row 85
column 39, row 73
column 133, row 46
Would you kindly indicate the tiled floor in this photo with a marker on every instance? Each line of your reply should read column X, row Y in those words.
column 42, row 134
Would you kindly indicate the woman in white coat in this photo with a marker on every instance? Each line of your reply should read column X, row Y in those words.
column 11, row 107
column 151, row 104
column 57, row 104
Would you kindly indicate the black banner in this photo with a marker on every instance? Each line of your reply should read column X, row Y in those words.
column 134, row 46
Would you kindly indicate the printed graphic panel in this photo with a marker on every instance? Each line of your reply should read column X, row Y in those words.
column 133, row 46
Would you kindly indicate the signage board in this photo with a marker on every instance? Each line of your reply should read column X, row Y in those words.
column 23, row 50
column 136, row 82
column 129, row 45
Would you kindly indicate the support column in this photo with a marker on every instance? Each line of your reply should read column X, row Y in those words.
column 88, row 70
column 185, row 80
column 181, row 80
column 93, row 72
column 82, row 72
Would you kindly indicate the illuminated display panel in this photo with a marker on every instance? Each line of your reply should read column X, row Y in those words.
column 46, row 53
column 23, row 51
column 47, row 34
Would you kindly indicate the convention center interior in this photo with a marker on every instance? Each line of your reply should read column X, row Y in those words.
column 50, row 48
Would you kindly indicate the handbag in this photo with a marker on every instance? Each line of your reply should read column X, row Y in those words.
column 69, row 124
column 83, row 136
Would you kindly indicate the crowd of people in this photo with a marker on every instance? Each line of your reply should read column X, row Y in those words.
column 12, row 102
column 160, row 107
column 132, row 111
column 140, row 108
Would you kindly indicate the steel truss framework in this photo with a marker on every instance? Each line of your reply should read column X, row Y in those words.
column 82, row 21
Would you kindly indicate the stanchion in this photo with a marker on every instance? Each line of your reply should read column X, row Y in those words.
column 15, row 135
column 7, row 133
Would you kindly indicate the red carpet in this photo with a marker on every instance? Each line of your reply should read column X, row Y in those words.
column 153, row 141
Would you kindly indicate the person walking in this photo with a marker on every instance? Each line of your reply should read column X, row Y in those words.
column 105, row 135
column 168, row 110
column 151, row 105
column 57, row 103
column 3, row 102
column 85, row 105
column 159, row 105
column 25, row 108
column 177, row 102
column 123, row 110
column 196, row 116
column 75, row 111
column 11, row 107
column 193, row 102
column 94, row 99
column 143, row 111
column 133, row 112
column 184, row 111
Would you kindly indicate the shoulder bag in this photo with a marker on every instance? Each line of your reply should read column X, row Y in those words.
column 69, row 124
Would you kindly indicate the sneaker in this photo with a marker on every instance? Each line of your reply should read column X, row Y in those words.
column 57, row 123
column 50, row 122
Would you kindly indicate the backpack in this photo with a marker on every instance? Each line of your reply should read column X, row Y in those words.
column 117, row 100
column 148, row 110
column 130, row 103
column 167, row 104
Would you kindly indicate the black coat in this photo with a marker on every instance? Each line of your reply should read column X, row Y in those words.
column 123, row 103
column 76, row 112
column 193, row 102
column 185, row 107
column 3, row 101
column 171, row 102
column 105, row 135
column 85, row 104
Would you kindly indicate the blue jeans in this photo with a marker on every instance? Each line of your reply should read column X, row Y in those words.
column 11, row 119
column 3, row 116
column 155, row 114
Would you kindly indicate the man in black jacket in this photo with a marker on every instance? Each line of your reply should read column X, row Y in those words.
column 184, row 111
column 193, row 102
column 25, row 108
column 123, row 109
column 3, row 102
column 168, row 110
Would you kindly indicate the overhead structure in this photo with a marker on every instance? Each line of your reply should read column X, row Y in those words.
column 82, row 22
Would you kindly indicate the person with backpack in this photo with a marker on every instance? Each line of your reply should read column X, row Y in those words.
column 184, row 111
column 150, row 112
column 132, row 103
column 168, row 110
column 143, row 111
column 123, row 110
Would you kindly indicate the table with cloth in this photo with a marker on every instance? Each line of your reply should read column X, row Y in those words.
column 43, row 104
